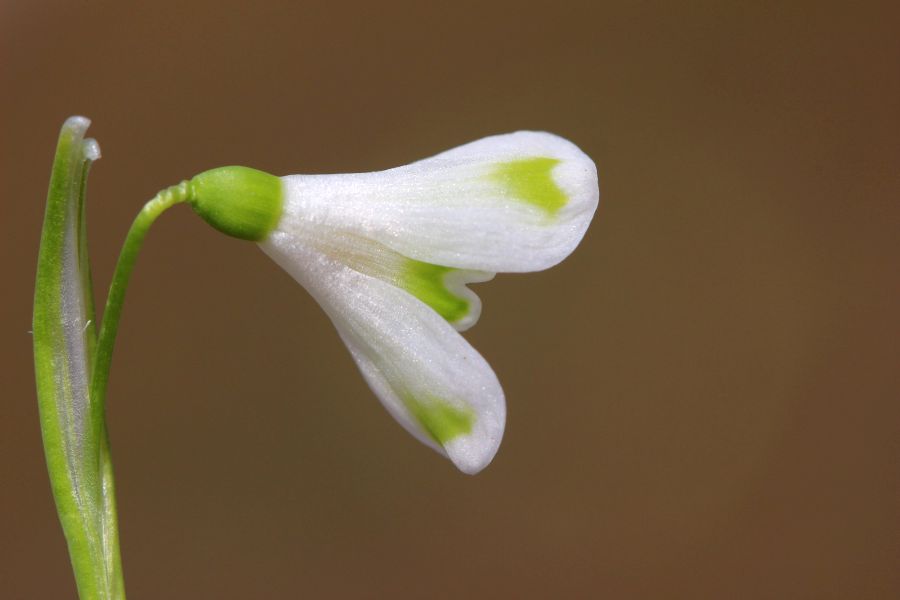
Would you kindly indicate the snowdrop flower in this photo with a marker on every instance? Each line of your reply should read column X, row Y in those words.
column 389, row 255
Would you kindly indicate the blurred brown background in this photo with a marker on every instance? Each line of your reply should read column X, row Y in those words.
column 703, row 400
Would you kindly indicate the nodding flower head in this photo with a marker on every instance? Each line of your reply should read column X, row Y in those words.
column 389, row 255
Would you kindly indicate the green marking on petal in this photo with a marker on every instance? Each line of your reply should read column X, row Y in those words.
column 426, row 282
column 443, row 421
column 529, row 180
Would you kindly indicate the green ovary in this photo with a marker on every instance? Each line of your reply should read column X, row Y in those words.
column 530, row 180
column 425, row 281
column 441, row 420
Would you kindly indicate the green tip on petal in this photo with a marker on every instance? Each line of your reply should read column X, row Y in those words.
column 238, row 201
column 530, row 180
column 442, row 421
column 426, row 282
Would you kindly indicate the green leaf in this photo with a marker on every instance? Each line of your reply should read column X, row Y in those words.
column 65, row 340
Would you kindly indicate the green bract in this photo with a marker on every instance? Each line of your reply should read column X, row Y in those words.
column 65, row 348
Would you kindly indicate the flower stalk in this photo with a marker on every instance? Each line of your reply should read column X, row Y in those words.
column 134, row 240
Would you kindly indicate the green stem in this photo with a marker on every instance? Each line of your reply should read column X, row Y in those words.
column 109, row 522
column 116, row 297
column 98, row 442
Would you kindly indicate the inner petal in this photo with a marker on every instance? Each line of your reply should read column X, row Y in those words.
column 442, row 288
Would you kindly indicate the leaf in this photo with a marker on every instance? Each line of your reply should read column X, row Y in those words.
column 64, row 345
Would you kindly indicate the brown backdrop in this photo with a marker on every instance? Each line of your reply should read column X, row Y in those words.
column 702, row 399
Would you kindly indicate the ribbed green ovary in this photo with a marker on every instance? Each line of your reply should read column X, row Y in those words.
column 426, row 282
column 530, row 180
column 441, row 420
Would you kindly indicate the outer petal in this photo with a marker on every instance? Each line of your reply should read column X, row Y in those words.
column 426, row 375
column 515, row 202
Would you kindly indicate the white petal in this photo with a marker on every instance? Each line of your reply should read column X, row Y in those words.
column 515, row 202
column 427, row 376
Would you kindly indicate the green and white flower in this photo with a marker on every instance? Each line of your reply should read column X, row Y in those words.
column 388, row 255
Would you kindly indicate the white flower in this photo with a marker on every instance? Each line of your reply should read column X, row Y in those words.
column 388, row 256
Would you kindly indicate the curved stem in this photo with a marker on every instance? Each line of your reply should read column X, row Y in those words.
column 98, row 442
column 116, row 297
